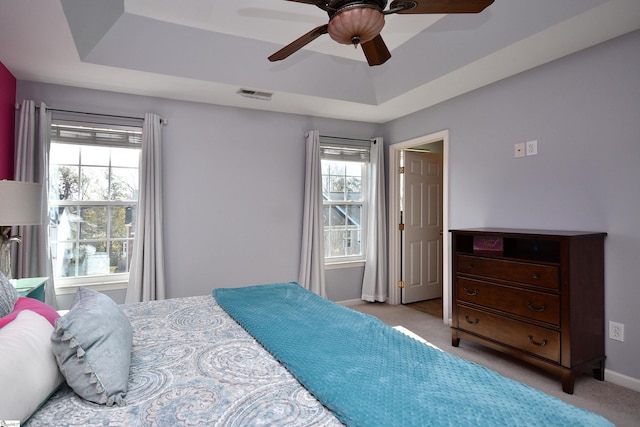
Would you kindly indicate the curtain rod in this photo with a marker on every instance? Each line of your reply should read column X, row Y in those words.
column 348, row 139
column 163, row 121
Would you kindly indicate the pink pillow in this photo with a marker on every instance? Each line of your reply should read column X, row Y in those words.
column 34, row 305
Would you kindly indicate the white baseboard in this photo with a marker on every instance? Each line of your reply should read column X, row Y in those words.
column 350, row 302
column 622, row 380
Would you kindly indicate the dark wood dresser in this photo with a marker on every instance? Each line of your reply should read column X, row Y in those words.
column 535, row 295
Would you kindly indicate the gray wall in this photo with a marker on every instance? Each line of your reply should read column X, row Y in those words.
column 584, row 110
column 233, row 178
column 233, row 188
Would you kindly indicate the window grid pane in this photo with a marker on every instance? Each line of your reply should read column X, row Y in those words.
column 342, row 183
column 93, row 194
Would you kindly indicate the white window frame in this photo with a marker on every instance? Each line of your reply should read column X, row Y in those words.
column 100, row 282
column 349, row 261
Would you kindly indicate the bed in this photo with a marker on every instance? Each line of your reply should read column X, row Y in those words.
column 270, row 354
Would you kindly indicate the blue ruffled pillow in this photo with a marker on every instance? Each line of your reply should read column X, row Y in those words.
column 92, row 344
column 8, row 296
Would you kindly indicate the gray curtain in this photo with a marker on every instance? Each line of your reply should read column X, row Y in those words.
column 32, row 165
column 146, row 276
column 311, row 273
column 374, row 282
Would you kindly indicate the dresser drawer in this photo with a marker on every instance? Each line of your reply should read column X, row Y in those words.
column 540, row 306
column 533, row 339
column 533, row 274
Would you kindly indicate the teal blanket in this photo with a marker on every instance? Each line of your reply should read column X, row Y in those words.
column 370, row 374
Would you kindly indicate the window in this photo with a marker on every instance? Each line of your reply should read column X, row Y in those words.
column 93, row 193
column 344, row 172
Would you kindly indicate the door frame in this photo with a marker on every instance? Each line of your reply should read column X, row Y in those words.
column 394, row 218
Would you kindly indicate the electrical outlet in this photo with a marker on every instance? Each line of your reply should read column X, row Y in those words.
column 519, row 150
column 616, row 331
column 532, row 148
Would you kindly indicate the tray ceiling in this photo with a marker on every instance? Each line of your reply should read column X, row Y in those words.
column 205, row 50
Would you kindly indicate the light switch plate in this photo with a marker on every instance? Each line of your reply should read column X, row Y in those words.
column 519, row 150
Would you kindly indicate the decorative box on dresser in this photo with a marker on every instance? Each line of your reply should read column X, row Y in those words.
column 535, row 295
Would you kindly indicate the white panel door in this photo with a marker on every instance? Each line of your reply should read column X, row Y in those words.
column 422, row 242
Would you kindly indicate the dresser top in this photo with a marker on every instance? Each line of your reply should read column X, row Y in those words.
column 527, row 232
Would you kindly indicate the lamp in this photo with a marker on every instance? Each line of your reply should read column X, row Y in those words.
column 356, row 23
column 20, row 204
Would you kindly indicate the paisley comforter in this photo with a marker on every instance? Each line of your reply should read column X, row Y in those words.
column 193, row 365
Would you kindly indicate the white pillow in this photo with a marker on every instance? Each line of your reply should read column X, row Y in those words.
column 28, row 370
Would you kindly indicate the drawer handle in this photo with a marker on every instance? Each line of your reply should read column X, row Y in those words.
column 469, row 266
column 536, row 275
column 470, row 293
column 471, row 322
column 536, row 309
column 539, row 344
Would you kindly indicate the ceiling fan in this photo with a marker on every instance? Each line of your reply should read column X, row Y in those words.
column 359, row 22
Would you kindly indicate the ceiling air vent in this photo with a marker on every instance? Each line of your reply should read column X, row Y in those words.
column 265, row 96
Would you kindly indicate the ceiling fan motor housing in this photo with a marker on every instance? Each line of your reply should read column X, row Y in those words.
column 336, row 5
column 355, row 22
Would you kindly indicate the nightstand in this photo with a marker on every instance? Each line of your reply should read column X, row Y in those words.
column 32, row 287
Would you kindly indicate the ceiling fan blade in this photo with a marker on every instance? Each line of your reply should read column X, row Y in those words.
column 298, row 44
column 441, row 6
column 376, row 51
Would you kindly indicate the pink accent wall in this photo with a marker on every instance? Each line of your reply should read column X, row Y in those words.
column 7, row 121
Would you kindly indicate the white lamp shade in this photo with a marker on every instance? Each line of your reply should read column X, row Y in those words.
column 20, row 203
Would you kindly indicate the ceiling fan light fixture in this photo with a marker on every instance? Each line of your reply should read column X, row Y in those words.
column 359, row 22
column 356, row 24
